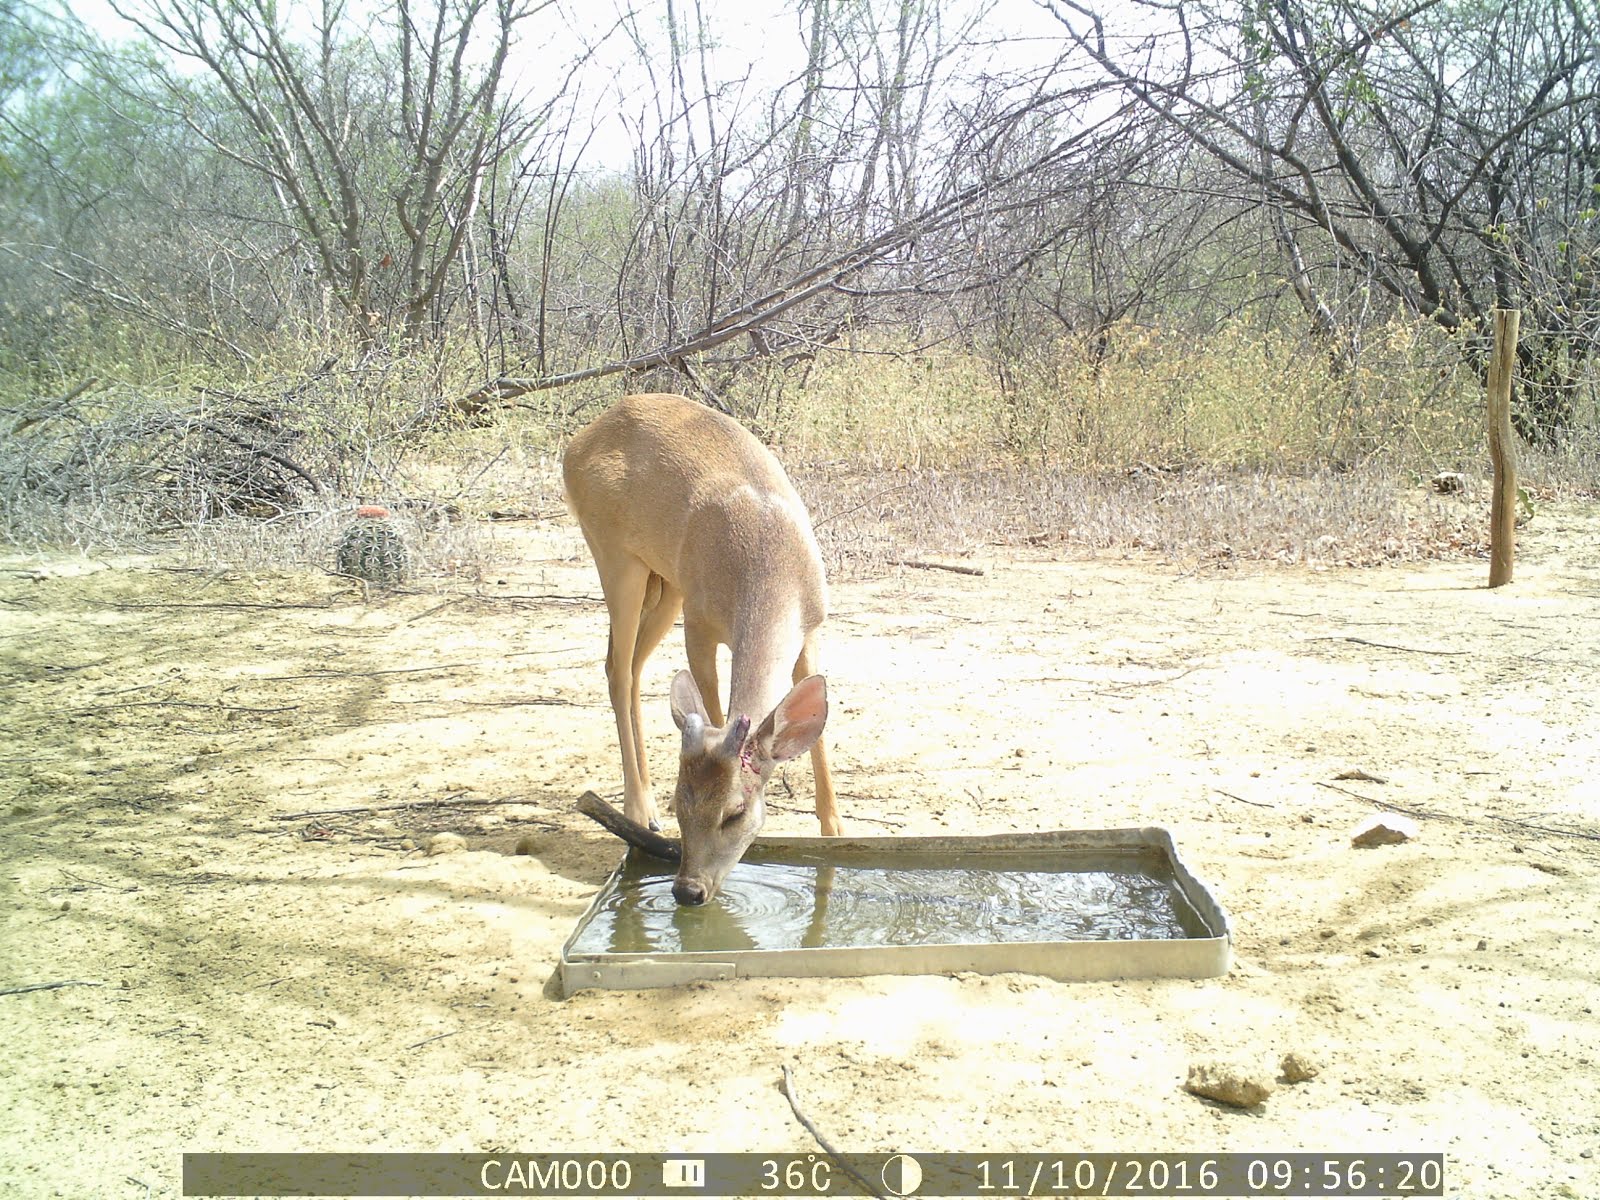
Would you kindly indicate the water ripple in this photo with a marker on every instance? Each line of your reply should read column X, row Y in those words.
column 775, row 904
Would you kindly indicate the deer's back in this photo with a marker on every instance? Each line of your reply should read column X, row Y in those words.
column 695, row 496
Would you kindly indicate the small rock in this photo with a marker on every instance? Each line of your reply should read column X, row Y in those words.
column 446, row 843
column 1228, row 1084
column 526, row 844
column 1384, row 829
column 1297, row 1067
column 1448, row 483
column 1483, row 943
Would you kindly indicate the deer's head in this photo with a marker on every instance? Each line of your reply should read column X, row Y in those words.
column 720, row 799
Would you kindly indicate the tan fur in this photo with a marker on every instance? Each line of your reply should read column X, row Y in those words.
column 684, row 510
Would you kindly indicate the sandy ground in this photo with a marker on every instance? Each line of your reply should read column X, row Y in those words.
column 278, row 982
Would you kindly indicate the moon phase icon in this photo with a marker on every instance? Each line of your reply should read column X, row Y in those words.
column 902, row 1175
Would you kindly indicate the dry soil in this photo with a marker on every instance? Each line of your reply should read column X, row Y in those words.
column 243, row 976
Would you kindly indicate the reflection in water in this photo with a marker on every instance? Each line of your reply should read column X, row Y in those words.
column 773, row 902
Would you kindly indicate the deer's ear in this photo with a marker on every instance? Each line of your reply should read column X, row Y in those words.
column 795, row 724
column 686, row 701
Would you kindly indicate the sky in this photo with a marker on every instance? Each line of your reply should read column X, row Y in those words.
column 756, row 46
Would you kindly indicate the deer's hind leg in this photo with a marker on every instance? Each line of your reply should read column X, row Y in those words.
column 822, row 777
column 662, row 603
column 625, row 580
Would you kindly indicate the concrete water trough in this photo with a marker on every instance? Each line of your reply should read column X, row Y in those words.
column 1067, row 904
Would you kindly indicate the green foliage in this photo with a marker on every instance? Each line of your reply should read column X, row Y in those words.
column 24, row 62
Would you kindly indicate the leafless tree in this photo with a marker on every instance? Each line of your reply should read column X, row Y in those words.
column 374, row 147
column 762, row 226
column 1446, row 153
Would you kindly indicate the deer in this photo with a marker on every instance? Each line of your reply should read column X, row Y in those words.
column 684, row 510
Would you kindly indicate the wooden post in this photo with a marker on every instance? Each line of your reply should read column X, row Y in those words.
column 1502, row 450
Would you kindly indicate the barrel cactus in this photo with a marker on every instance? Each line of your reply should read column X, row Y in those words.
column 373, row 548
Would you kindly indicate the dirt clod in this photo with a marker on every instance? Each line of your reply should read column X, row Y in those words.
column 1298, row 1067
column 1229, row 1083
column 1384, row 829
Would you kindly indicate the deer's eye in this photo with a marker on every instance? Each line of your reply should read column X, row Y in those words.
column 733, row 818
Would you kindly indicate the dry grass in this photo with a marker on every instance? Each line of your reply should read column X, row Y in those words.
column 1363, row 517
column 442, row 547
column 1245, row 444
column 1238, row 399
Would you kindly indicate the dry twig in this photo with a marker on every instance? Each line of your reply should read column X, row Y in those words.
column 793, row 1095
column 48, row 987
column 933, row 566
column 1344, row 637
column 1429, row 815
column 444, row 802
column 1242, row 800
column 102, row 708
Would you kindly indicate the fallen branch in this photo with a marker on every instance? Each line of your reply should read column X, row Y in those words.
column 271, row 456
column 806, row 812
column 1358, row 774
column 1118, row 689
column 793, row 1095
column 1344, row 637
column 436, row 608
column 55, row 408
column 134, row 604
column 933, row 566
column 366, row 674
column 1427, row 815
column 1242, row 800
column 446, row 802
column 86, row 712
column 48, row 987
column 1423, row 813
column 462, row 706
column 635, row 834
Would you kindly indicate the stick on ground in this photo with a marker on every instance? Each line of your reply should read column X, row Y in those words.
column 48, row 987
column 632, row 832
column 937, row 566
column 793, row 1095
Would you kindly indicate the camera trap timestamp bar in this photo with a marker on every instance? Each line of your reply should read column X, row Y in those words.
column 912, row 1174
